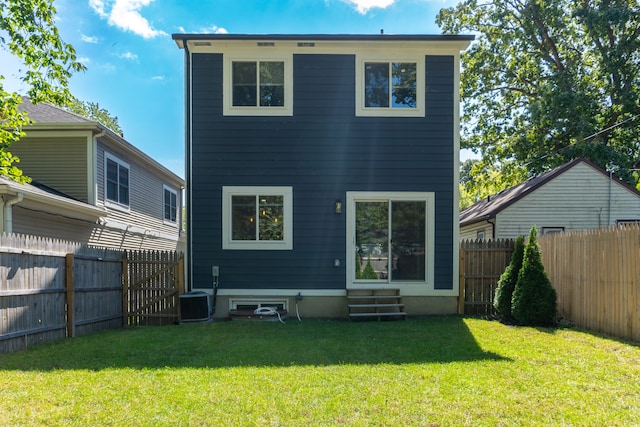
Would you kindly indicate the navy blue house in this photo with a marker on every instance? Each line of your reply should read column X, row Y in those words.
column 321, row 164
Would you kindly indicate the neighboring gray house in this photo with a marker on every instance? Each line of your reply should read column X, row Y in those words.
column 309, row 154
column 575, row 196
column 90, row 185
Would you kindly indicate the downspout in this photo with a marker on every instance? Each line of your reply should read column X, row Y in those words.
column 493, row 228
column 187, row 174
column 7, row 225
column 93, row 178
column 610, row 182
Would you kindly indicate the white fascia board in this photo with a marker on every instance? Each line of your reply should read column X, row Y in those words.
column 53, row 204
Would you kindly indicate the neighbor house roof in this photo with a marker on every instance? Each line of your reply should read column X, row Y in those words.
column 488, row 208
column 46, row 200
column 50, row 117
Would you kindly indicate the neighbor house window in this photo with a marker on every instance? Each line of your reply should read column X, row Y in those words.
column 257, row 218
column 480, row 235
column 551, row 230
column 390, row 88
column 170, row 210
column 258, row 87
column 116, row 181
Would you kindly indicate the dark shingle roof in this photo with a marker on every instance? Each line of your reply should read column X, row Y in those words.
column 48, row 113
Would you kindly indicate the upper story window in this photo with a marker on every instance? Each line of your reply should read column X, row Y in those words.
column 116, row 181
column 170, row 205
column 258, row 87
column 257, row 218
column 258, row 83
column 390, row 87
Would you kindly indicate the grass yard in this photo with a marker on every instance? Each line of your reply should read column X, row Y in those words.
column 432, row 371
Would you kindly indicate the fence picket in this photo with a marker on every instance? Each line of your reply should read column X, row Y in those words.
column 50, row 289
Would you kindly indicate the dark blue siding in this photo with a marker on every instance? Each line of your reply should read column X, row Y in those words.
column 322, row 151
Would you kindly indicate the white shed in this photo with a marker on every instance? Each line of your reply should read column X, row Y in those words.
column 575, row 196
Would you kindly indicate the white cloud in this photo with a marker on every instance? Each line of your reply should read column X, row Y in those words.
column 125, row 14
column 84, row 60
column 214, row 29
column 89, row 39
column 157, row 78
column 363, row 6
column 129, row 55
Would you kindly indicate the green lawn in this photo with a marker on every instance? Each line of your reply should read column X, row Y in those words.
column 422, row 372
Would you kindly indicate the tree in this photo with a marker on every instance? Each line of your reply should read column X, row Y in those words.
column 93, row 111
column 507, row 281
column 478, row 181
column 546, row 82
column 534, row 299
column 28, row 31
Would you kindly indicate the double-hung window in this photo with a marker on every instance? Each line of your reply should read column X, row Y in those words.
column 261, row 87
column 390, row 87
column 257, row 218
column 170, row 211
column 116, row 182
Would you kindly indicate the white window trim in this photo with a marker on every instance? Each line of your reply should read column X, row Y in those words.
column 408, row 288
column 285, row 192
column 173, row 191
column 362, row 111
column 227, row 99
column 107, row 201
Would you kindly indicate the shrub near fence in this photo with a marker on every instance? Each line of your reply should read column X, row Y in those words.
column 596, row 274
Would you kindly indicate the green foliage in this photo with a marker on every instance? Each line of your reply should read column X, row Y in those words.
column 368, row 272
column 358, row 268
column 508, row 279
column 28, row 31
column 477, row 181
column 534, row 299
column 546, row 82
column 93, row 111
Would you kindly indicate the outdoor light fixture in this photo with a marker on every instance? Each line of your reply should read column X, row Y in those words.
column 338, row 206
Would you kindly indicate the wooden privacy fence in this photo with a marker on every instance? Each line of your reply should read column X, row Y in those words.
column 481, row 264
column 51, row 289
column 154, row 284
column 596, row 274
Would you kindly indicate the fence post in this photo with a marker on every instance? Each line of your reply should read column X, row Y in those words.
column 125, row 291
column 461, row 282
column 71, row 325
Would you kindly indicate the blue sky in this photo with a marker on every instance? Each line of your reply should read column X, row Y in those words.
column 135, row 70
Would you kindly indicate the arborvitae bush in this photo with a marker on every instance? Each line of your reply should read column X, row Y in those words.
column 534, row 299
column 507, row 282
column 369, row 272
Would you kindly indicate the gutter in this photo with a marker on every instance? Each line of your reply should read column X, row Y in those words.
column 7, row 211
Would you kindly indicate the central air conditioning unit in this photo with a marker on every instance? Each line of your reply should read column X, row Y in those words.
column 194, row 307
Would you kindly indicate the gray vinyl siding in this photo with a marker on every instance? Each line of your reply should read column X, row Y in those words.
column 38, row 223
column 59, row 163
column 577, row 199
column 146, row 204
column 322, row 151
